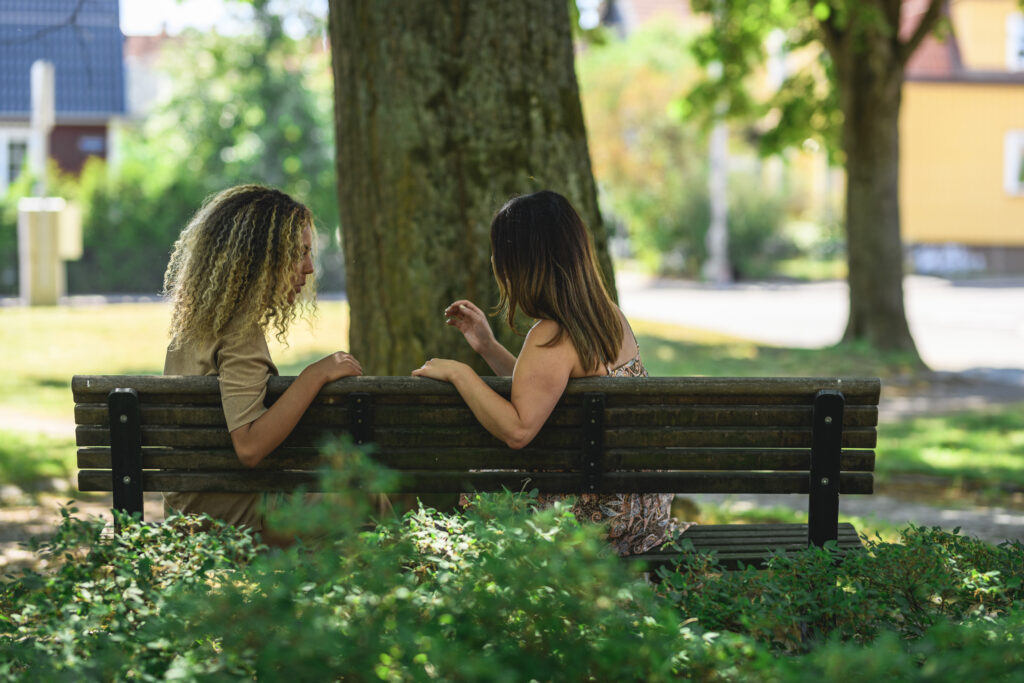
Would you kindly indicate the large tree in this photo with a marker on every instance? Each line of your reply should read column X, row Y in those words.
column 443, row 111
column 864, row 47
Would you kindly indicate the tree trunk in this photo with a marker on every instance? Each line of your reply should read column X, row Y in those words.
column 870, row 79
column 443, row 111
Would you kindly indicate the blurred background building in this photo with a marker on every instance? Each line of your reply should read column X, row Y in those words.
column 83, row 41
column 962, row 142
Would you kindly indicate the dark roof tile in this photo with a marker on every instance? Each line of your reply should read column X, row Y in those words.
column 84, row 46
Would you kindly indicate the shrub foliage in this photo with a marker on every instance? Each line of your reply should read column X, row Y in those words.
column 498, row 591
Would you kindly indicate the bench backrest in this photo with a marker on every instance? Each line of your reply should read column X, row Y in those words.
column 697, row 434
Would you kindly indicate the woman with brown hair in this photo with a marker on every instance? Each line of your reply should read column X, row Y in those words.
column 544, row 265
column 238, row 271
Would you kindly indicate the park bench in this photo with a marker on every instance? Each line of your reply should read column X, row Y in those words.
column 656, row 435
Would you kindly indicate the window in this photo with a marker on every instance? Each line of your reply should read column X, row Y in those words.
column 91, row 144
column 1013, row 162
column 1015, row 42
column 17, row 150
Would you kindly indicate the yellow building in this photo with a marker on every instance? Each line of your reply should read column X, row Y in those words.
column 962, row 143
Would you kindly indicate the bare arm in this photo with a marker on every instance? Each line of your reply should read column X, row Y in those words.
column 257, row 439
column 465, row 316
column 538, row 382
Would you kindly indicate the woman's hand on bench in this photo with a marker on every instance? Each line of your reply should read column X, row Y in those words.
column 335, row 366
column 257, row 439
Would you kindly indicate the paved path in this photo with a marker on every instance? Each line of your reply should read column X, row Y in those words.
column 976, row 326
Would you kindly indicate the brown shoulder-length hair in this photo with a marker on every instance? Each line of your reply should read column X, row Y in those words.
column 233, row 265
column 544, row 264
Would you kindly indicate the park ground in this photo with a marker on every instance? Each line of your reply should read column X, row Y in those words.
column 951, row 451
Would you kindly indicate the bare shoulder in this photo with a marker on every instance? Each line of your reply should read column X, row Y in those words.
column 543, row 332
column 538, row 349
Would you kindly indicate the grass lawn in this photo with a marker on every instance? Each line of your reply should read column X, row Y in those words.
column 675, row 351
column 985, row 446
column 44, row 347
column 27, row 457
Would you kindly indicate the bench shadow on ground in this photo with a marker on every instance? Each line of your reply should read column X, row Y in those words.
column 37, row 515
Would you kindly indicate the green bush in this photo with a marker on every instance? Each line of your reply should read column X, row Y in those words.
column 928, row 578
column 9, row 234
column 497, row 592
column 130, row 221
column 671, row 236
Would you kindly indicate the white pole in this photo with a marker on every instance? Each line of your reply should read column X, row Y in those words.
column 43, row 119
column 717, row 268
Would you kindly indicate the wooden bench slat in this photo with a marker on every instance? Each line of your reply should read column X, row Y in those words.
column 337, row 416
column 710, row 533
column 736, row 437
column 754, row 458
column 736, row 544
column 455, row 482
column 434, row 457
column 762, row 539
column 661, row 389
column 474, row 435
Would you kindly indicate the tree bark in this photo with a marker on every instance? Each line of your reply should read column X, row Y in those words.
column 874, row 247
column 869, row 61
column 443, row 111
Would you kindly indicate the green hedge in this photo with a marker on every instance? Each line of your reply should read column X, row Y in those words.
column 495, row 593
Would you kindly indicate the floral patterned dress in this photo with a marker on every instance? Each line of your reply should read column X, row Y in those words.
column 637, row 522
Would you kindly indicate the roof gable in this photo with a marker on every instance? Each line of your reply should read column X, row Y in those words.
column 83, row 40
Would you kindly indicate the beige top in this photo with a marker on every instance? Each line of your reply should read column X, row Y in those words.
column 241, row 360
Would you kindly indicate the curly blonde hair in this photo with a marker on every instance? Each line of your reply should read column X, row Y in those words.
column 234, row 263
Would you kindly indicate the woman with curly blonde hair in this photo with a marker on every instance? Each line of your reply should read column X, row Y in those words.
column 237, row 272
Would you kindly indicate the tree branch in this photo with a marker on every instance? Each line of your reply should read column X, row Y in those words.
column 924, row 27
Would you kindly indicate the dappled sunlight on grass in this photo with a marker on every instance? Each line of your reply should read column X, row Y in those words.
column 986, row 445
column 51, row 457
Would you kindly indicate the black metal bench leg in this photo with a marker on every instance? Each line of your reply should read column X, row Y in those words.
column 826, row 446
column 126, row 450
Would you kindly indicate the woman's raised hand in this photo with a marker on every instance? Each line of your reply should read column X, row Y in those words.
column 471, row 322
column 335, row 366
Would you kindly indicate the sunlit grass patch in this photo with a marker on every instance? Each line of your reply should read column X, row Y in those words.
column 26, row 457
column 987, row 445
column 44, row 347
column 679, row 351
column 813, row 269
